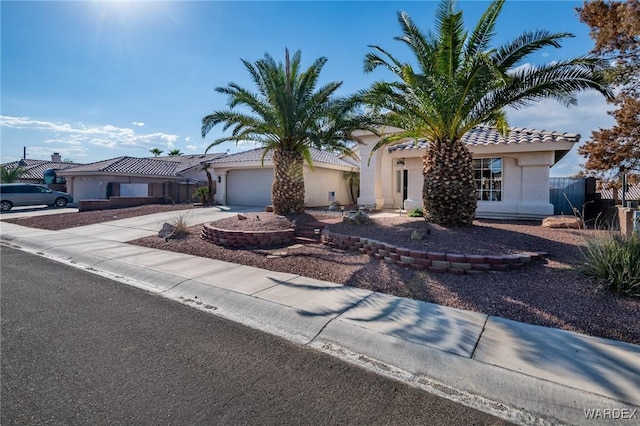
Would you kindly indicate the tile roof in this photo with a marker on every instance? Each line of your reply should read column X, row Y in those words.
column 132, row 165
column 187, row 162
column 485, row 135
column 317, row 156
column 35, row 168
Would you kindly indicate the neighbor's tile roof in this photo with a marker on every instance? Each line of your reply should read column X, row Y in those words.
column 485, row 135
column 186, row 162
column 131, row 165
column 35, row 168
column 317, row 156
column 632, row 194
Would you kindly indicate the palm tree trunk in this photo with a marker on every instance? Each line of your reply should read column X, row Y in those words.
column 449, row 192
column 287, row 190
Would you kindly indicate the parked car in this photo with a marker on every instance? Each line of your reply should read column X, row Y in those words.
column 27, row 194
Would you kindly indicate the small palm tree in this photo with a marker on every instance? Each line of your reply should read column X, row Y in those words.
column 175, row 151
column 459, row 82
column 156, row 151
column 205, row 168
column 288, row 115
column 11, row 175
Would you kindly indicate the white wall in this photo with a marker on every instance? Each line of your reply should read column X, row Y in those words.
column 320, row 182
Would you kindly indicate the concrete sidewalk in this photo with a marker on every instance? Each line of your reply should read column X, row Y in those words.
column 525, row 373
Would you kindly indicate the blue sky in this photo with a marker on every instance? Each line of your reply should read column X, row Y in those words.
column 96, row 80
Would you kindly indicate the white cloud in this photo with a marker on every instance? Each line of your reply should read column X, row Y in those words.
column 192, row 147
column 188, row 139
column 101, row 135
column 588, row 115
column 138, row 123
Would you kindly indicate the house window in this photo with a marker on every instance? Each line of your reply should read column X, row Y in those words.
column 398, row 181
column 488, row 178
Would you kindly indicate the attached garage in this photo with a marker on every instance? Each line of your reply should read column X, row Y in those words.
column 249, row 187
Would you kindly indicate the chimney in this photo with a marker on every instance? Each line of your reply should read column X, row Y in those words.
column 56, row 158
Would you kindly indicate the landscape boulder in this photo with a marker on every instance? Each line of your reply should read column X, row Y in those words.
column 562, row 222
column 167, row 230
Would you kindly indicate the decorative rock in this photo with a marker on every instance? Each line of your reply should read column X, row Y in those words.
column 167, row 229
column 562, row 222
column 241, row 217
column 417, row 235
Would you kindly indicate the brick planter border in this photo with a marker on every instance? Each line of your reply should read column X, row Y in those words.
column 435, row 262
column 239, row 239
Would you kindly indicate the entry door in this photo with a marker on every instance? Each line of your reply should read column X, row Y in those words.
column 405, row 180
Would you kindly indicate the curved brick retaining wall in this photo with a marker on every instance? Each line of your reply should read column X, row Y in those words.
column 435, row 262
column 237, row 239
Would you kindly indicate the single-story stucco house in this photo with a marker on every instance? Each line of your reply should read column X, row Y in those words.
column 35, row 170
column 512, row 173
column 243, row 179
column 176, row 177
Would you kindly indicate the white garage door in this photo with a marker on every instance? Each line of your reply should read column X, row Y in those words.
column 249, row 187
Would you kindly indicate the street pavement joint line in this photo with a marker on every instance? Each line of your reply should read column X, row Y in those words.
column 217, row 271
column 181, row 282
column 276, row 283
column 473, row 352
column 338, row 316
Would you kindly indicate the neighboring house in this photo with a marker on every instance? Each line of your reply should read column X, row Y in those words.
column 176, row 177
column 35, row 169
column 243, row 179
column 512, row 174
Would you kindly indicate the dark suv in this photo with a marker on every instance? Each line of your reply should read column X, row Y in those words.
column 27, row 194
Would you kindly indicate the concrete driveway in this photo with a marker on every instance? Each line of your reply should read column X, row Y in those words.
column 30, row 211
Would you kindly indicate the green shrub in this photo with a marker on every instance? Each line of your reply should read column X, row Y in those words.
column 417, row 212
column 614, row 261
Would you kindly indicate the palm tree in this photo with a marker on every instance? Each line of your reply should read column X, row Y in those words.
column 205, row 168
column 11, row 175
column 288, row 116
column 461, row 82
column 156, row 151
column 175, row 151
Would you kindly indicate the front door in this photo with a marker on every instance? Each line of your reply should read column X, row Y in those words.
column 405, row 179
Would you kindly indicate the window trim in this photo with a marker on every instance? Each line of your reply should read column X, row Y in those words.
column 493, row 195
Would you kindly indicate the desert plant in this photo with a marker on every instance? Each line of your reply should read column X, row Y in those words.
column 417, row 212
column 180, row 227
column 156, row 151
column 614, row 261
column 202, row 193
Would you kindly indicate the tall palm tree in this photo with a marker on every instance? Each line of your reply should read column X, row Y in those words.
column 175, row 151
column 288, row 115
column 459, row 82
column 156, row 151
column 11, row 175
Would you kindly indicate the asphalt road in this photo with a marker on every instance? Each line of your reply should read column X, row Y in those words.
column 81, row 349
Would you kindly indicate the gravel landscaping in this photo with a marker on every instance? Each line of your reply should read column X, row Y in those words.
column 549, row 292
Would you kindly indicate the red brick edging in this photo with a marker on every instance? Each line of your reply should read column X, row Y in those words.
column 435, row 262
column 237, row 239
